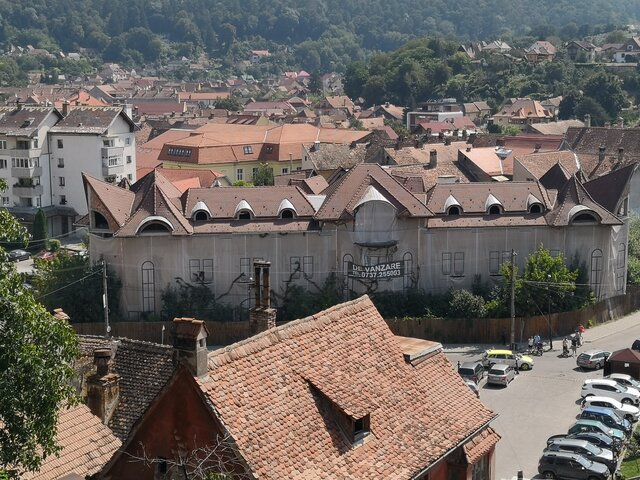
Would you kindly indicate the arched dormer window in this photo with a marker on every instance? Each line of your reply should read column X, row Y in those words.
column 286, row 209
column 534, row 205
column 535, row 208
column 452, row 206
column 99, row 221
column 154, row 225
column 200, row 212
column 493, row 206
column 581, row 215
column 244, row 211
column 375, row 220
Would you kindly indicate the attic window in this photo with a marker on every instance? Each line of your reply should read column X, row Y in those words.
column 244, row 215
column 179, row 152
column 201, row 216
column 585, row 219
column 247, row 149
column 99, row 222
column 454, row 210
column 287, row 213
column 268, row 149
column 495, row 210
column 535, row 208
column 27, row 122
column 361, row 428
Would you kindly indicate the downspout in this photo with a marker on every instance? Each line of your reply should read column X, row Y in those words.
column 462, row 442
column 50, row 167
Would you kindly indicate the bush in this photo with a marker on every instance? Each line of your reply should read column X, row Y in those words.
column 464, row 304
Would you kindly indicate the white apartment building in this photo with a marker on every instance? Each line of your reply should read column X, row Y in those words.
column 43, row 151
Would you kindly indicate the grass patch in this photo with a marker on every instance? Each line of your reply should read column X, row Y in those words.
column 630, row 468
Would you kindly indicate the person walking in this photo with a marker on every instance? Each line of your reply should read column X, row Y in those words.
column 574, row 345
column 530, row 341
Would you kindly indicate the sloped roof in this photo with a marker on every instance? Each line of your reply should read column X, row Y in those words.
column 609, row 189
column 118, row 201
column 90, row 120
column 23, row 121
column 87, row 445
column 345, row 193
column 574, row 194
column 555, row 128
column 524, row 108
column 480, row 445
column 538, row 164
column 348, row 355
column 334, row 156
column 556, row 177
column 625, row 355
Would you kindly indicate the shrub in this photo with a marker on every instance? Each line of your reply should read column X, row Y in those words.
column 464, row 304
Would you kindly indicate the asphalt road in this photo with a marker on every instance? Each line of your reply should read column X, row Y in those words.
column 544, row 401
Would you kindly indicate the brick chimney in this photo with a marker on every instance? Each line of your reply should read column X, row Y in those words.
column 65, row 108
column 262, row 317
column 190, row 344
column 601, row 150
column 103, row 388
column 433, row 158
column 620, row 154
column 587, row 120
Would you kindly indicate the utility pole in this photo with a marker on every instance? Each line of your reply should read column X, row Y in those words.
column 105, row 301
column 513, row 299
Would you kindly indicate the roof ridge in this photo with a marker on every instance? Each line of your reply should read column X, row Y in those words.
column 272, row 336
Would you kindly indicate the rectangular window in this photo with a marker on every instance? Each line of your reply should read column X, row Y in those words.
column 61, row 163
column 113, row 161
column 3, row 163
column 295, row 267
column 63, row 199
column 269, row 149
column 247, row 149
column 285, row 170
column 3, row 144
column 245, row 267
column 239, row 174
column 108, row 143
column 307, row 267
column 61, row 181
column 129, row 176
column 494, row 263
column 35, row 143
column 23, row 144
column 207, row 268
column 5, row 201
column 129, row 160
column 60, row 143
column 195, row 274
column 446, row 263
column 37, row 201
column 458, row 263
column 298, row 168
column 127, row 141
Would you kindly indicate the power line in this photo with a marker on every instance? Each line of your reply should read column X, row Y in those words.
column 72, row 283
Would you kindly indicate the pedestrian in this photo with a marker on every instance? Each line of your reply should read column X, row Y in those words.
column 530, row 344
column 504, row 338
column 517, row 368
column 565, row 347
column 574, row 345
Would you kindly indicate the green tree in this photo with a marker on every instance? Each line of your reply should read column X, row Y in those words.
column 588, row 105
column 231, row 103
column 606, row 89
column 355, row 79
column 633, row 250
column 464, row 304
column 71, row 283
column 263, row 175
column 40, row 229
column 315, row 82
column 567, row 107
column 37, row 352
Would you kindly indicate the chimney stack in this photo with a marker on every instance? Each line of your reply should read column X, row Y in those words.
column 587, row 120
column 447, row 140
column 500, row 142
column 190, row 344
column 537, row 147
column 601, row 150
column 103, row 388
column 433, row 158
column 65, row 108
column 262, row 317
column 620, row 154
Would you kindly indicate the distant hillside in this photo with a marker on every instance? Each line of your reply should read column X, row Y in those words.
column 322, row 33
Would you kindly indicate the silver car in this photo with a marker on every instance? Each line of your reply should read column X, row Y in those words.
column 501, row 374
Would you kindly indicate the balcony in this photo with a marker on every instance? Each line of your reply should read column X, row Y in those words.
column 110, row 152
column 27, row 191
column 25, row 152
column 112, row 161
column 26, row 172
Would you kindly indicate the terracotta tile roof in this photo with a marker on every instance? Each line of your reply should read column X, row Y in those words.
column 526, row 143
column 523, row 109
column 480, row 445
column 436, row 127
column 90, row 120
column 334, row 156
column 25, row 121
column 493, row 162
column 555, row 128
column 201, row 177
column 344, row 194
column 574, row 194
column 201, row 96
column 538, row 164
column 274, row 393
column 256, row 226
column 118, row 201
column 556, row 177
column 87, row 445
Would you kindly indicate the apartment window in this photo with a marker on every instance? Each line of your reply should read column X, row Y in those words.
column 285, row 170
column 307, row 266
column 494, row 263
column 61, row 163
column 129, row 159
column 35, row 143
column 3, row 144
column 38, row 202
column 446, row 263
column 239, row 174
column 127, row 141
column 298, row 168
column 5, row 201
column 458, row 264
column 108, row 143
column 247, row 149
column 113, row 161
column 63, row 199
column 23, row 144
column 60, row 143
column 148, row 287
column 3, row 163
column 61, row 181
column 129, row 176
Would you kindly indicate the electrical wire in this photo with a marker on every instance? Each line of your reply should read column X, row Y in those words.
column 69, row 284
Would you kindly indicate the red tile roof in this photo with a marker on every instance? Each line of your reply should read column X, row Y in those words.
column 274, row 393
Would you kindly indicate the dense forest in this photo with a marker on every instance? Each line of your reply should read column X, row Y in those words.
column 316, row 35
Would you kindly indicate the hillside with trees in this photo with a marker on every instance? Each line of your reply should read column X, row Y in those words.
column 321, row 35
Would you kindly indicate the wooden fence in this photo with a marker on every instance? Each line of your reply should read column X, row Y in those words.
column 445, row 330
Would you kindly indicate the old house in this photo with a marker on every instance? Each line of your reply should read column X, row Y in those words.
column 629, row 52
column 334, row 395
column 581, row 51
column 522, row 112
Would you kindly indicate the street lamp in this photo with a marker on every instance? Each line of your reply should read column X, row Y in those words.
column 549, row 313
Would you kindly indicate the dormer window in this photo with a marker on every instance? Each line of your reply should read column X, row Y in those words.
column 201, row 216
column 154, row 225
column 534, row 205
column 244, row 215
column 585, row 218
column 495, row 210
column 287, row 213
column 452, row 206
column 535, row 208
column 244, row 211
column 286, row 209
column 492, row 205
column 361, row 428
column 582, row 215
column 247, row 149
column 99, row 221
column 454, row 210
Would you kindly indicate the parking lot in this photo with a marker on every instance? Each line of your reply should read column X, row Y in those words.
column 544, row 401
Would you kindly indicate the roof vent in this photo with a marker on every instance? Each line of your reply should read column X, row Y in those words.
column 27, row 123
column 503, row 153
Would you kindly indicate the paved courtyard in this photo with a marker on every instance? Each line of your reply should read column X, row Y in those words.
column 544, row 401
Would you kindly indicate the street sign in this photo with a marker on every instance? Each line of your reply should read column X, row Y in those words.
column 376, row 272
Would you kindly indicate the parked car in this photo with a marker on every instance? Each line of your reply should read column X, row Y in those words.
column 611, row 389
column 507, row 357
column 472, row 370
column 608, row 417
column 501, row 374
column 629, row 412
column 19, row 255
column 592, row 359
column 473, row 386
column 586, row 449
column 570, row 465
column 596, row 438
column 624, row 379
column 583, row 425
